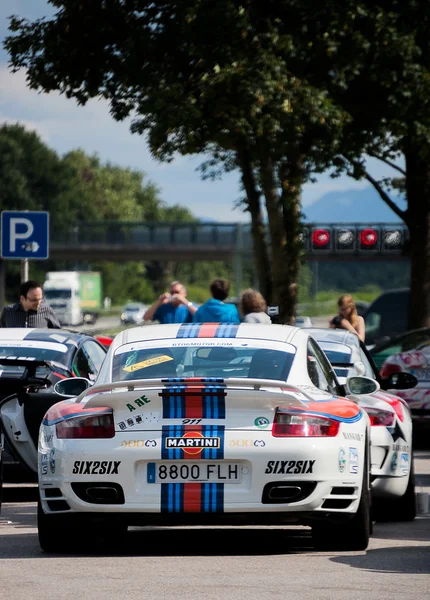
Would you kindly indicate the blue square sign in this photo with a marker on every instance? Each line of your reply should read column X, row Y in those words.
column 24, row 234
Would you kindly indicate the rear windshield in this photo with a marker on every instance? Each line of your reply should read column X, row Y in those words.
column 39, row 350
column 338, row 354
column 205, row 358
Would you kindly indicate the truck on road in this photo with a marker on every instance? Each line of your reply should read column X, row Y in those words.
column 74, row 296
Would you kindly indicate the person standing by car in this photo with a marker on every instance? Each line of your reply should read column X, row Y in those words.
column 253, row 307
column 348, row 317
column 172, row 307
column 31, row 310
column 215, row 310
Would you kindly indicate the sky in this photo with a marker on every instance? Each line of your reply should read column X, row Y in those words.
column 64, row 126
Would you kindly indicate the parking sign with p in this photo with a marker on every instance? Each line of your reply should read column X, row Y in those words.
column 24, row 234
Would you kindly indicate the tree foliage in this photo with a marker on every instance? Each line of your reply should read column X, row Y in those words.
column 280, row 89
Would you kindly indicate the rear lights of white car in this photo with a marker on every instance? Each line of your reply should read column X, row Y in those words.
column 93, row 426
column 291, row 424
column 380, row 417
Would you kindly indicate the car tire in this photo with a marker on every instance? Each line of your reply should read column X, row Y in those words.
column 63, row 532
column 54, row 531
column 352, row 535
column 388, row 510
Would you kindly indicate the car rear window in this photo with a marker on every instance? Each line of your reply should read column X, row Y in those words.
column 338, row 354
column 205, row 358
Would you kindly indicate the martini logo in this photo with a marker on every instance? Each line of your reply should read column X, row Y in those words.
column 192, row 442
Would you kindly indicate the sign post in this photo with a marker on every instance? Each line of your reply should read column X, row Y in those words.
column 24, row 236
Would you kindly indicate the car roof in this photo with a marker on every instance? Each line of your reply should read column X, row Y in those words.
column 62, row 336
column 340, row 336
column 269, row 332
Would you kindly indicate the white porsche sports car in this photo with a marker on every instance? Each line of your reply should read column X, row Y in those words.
column 207, row 424
column 392, row 469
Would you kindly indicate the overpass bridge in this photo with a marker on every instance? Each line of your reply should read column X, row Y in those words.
column 145, row 241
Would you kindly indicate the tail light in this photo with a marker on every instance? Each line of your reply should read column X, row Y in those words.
column 380, row 417
column 388, row 369
column 291, row 424
column 87, row 426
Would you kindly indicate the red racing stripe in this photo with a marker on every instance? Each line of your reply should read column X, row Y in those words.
column 207, row 330
column 193, row 406
column 192, row 497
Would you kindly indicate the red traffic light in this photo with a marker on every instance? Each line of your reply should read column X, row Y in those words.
column 368, row 237
column 320, row 238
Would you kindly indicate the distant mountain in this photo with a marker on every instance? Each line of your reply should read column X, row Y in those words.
column 349, row 206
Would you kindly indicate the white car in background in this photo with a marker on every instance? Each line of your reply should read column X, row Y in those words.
column 207, row 424
column 133, row 313
column 392, row 469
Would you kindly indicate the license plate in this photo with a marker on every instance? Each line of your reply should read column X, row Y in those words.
column 421, row 374
column 188, row 472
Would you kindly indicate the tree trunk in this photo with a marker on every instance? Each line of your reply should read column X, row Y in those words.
column 291, row 175
column 257, row 224
column 417, row 219
column 280, row 260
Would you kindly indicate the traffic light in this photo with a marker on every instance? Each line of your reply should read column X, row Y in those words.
column 321, row 240
column 369, row 240
column 345, row 239
column 393, row 239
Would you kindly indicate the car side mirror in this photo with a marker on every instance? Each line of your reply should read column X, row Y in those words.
column 74, row 386
column 400, row 381
column 361, row 385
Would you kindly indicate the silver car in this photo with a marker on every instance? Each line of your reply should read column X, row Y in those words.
column 132, row 313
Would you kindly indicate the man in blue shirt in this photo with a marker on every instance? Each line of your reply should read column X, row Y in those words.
column 172, row 307
column 215, row 310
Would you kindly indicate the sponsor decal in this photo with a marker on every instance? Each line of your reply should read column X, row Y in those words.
column 138, row 420
column 353, row 436
column 246, row 443
column 157, row 360
column 138, row 402
column 195, row 401
column 404, row 463
column 401, row 447
column 207, row 330
column 353, row 460
column 138, row 443
column 52, row 460
column 394, row 462
column 261, row 422
column 192, row 443
column 341, row 460
column 185, row 442
column 396, row 432
column 48, row 438
column 44, row 464
column 96, row 467
column 286, row 467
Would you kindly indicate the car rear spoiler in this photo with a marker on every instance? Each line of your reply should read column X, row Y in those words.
column 141, row 384
column 28, row 377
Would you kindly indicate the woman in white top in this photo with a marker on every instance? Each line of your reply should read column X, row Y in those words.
column 253, row 307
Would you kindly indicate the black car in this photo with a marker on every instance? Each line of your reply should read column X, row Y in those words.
column 387, row 316
column 32, row 361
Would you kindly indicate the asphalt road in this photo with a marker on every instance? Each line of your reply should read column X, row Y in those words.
column 220, row 564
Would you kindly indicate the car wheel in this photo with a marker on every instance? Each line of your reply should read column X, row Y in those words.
column 62, row 532
column 397, row 509
column 351, row 535
column 54, row 531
